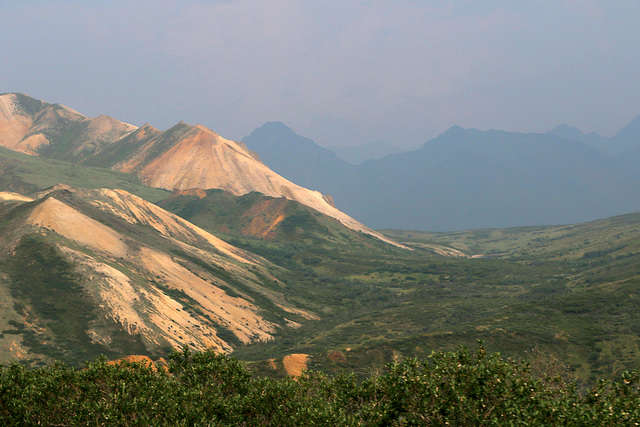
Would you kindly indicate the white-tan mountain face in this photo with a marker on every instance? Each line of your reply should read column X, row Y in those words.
column 157, row 290
column 29, row 126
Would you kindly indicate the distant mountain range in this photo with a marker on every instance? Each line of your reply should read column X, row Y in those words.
column 625, row 141
column 361, row 153
column 466, row 178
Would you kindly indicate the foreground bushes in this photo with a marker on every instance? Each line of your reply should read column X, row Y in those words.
column 458, row 388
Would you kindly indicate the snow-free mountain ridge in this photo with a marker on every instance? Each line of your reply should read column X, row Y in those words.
column 182, row 157
column 467, row 178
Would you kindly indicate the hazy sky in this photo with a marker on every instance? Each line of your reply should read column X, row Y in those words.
column 339, row 72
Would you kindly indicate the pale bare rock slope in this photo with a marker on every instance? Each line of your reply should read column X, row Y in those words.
column 8, row 195
column 157, row 292
column 33, row 127
column 136, row 210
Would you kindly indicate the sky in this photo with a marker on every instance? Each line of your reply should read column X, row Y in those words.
column 340, row 72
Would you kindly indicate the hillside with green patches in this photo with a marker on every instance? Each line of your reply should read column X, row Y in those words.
column 569, row 293
column 27, row 175
column 270, row 219
column 90, row 272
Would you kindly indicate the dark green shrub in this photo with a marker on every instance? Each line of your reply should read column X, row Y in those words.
column 204, row 388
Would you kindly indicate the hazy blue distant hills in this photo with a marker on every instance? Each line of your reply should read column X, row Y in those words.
column 626, row 140
column 572, row 133
column 361, row 153
column 466, row 178
column 304, row 162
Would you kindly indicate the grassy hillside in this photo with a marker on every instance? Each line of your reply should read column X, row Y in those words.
column 26, row 174
column 569, row 293
column 270, row 219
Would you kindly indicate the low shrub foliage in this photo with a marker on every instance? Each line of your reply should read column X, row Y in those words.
column 203, row 388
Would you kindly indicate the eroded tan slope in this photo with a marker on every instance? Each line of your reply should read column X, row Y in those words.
column 136, row 210
column 8, row 195
column 155, row 291
column 28, row 125
column 54, row 215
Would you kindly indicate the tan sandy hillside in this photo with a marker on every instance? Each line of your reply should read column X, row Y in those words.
column 30, row 126
column 145, row 278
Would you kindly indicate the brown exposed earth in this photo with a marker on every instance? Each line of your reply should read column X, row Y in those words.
column 145, row 361
column 295, row 364
column 337, row 356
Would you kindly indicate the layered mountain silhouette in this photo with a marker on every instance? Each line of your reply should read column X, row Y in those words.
column 361, row 153
column 466, row 178
column 302, row 160
column 627, row 139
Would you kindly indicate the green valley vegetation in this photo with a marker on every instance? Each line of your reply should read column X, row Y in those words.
column 26, row 174
column 571, row 292
column 445, row 388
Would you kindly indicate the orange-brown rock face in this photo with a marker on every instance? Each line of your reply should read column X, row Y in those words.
column 265, row 217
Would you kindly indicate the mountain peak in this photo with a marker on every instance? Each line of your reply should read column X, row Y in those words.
column 275, row 130
column 454, row 131
column 205, row 129
column 275, row 126
column 567, row 132
column 147, row 127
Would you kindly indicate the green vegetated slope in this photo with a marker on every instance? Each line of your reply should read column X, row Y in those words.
column 26, row 174
column 568, row 293
column 278, row 220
